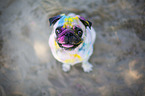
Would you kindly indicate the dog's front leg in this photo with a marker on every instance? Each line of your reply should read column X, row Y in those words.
column 66, row 67
column 87, row 67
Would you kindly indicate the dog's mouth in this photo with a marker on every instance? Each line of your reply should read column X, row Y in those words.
column 69, row 42
column 69, row 46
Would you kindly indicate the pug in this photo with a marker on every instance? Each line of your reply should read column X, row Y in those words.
column 71, row 40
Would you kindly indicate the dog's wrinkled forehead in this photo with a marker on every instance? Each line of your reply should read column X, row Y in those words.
column 69, row 21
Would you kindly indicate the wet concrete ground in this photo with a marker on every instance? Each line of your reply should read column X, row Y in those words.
column 27, row 67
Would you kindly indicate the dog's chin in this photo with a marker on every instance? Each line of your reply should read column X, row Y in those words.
column 69, row 46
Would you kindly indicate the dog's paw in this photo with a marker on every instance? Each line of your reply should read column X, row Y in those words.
column 87, row 67
column 66, row 67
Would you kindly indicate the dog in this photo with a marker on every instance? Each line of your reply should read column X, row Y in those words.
column 71, row 40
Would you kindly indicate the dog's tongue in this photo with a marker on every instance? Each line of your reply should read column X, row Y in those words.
column 67, row 45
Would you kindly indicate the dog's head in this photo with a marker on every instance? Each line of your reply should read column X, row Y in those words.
column 69, row 30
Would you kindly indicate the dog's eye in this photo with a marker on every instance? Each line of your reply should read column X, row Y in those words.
column 80, row 33
column 57, row 31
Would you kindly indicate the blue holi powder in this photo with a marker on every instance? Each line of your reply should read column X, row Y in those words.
column 62, row 20
column 86, row 46
column 83, row 47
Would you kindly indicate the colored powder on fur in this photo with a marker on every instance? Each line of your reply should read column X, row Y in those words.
column 67, row 21
column 56, row 45
column 73, row 60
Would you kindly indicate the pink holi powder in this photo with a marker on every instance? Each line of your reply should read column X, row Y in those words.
column 61, row 39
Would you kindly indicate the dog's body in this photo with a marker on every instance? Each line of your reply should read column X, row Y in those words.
column 81, row 44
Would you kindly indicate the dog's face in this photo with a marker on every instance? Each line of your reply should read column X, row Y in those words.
column 69, row 30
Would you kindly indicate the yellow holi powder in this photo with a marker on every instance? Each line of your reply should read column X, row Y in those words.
column 68, row 21
column 77, row 18
column 74, row 56
column 87, row 22
column 69, row 61
column 56, row 45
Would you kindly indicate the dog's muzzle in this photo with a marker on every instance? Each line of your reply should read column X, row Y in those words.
column 68, row 39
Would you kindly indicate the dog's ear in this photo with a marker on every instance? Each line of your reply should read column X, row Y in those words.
column 85, row 22
column 54, row 19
